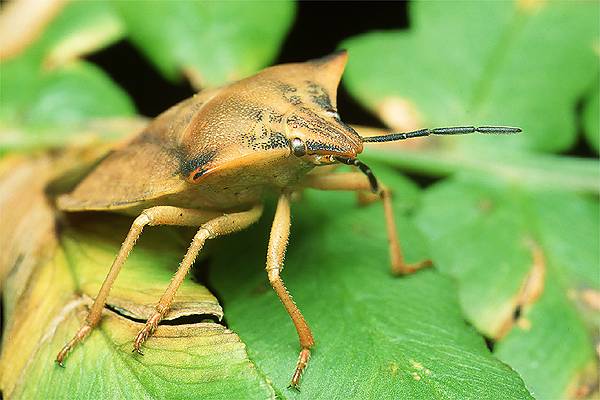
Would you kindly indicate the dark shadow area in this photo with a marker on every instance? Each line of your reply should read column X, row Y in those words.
column 517, row 313
column 489, row 343
column 321, row 26
column 424, row 181
column 183, row 320
column 581, row 148
column 201, row 274
column 318, row 29
column 149, row 90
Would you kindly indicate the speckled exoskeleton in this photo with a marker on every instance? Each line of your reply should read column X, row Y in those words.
column 210, row 160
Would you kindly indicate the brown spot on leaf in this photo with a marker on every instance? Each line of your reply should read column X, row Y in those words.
column 530, row 6
column 486, row 205
column 419, row 367
column 22, row 22
column 399, row 114
column 524, row 323
column 584, row 385
column 394, row 367
column 534, row 284
column 591, row 298
column 86, row 41
column 531, row 289
column 596, row 47
column 194, row 76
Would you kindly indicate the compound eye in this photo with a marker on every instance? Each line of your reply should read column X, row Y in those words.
column 195, row 175
column 298, row 147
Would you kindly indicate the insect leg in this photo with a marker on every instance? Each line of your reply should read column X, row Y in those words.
column 278, row 241
column 161, row 215
column 222, row 225
column 356, row 181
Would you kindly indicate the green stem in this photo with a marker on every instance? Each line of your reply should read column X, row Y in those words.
column 526, row 169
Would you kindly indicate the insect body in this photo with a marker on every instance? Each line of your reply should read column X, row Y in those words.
column 209, row 160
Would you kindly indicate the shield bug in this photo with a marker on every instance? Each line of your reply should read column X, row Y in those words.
column 209, row 161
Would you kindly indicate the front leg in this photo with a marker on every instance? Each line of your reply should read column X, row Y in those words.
column 356, row 181
column 280, row 233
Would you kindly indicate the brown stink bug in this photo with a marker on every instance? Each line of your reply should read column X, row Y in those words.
column 209, row 161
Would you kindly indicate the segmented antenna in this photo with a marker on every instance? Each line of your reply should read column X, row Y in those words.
column 364, row 168
column 454, row 130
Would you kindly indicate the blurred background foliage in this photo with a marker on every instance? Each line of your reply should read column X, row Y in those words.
column 511, row 222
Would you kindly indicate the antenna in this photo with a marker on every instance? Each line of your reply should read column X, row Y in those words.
column 364, row 168
column 454, row 130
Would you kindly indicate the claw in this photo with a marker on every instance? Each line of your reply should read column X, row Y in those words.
column 61, row 356
column 294, row 387
column 300, row 366
column 137, row 350
column 140, row 339
column 146, row 332
column 79, row 336
column 400, row 268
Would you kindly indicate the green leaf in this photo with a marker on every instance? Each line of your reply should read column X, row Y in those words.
column 60, row 32
column 526, row 170
column 554, row 336
column 506, row 227
column 486, row 63
column 591, row 120
column 194, row 360
column 46, row 86
column 103, row 131
column 70, row 95
column 210, row 42
column 453, row 218
column 510, row 249
column 78, row 29
column 377, row 336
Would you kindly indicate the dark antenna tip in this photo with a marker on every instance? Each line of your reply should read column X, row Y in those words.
column 454, row 130
column 499, row 129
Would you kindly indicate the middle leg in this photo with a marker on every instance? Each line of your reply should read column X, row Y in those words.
column 222, row 225
column 159, row 215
